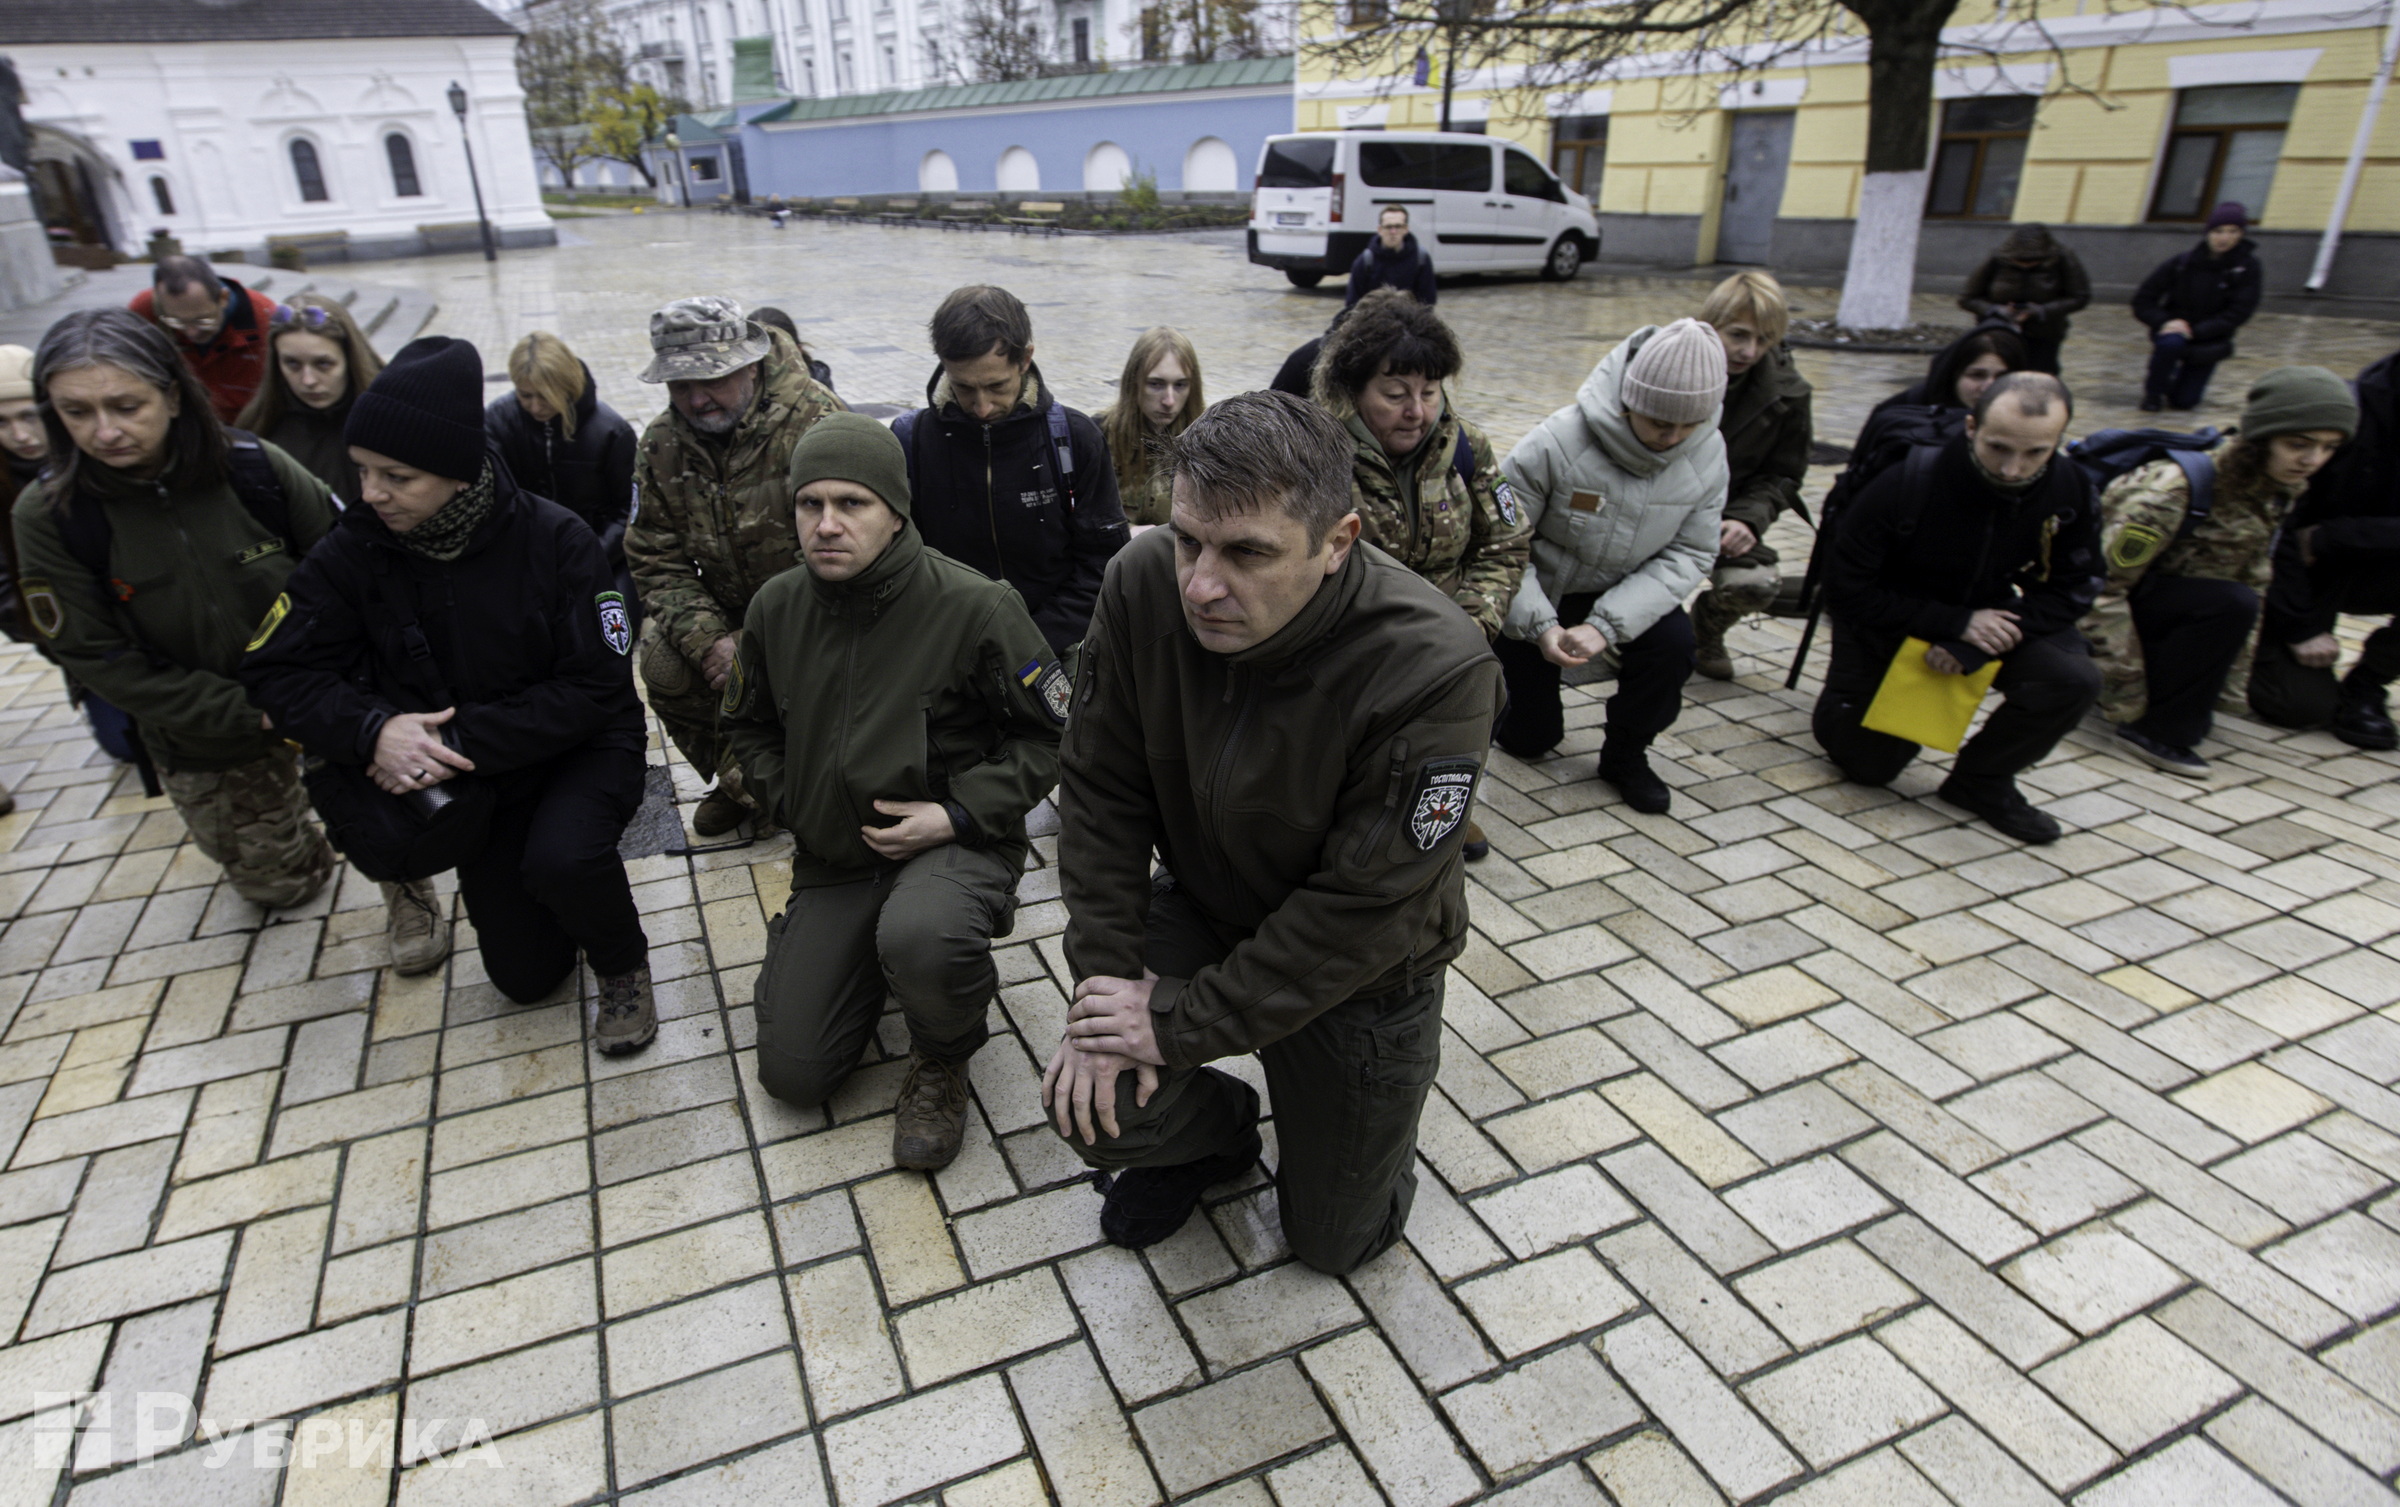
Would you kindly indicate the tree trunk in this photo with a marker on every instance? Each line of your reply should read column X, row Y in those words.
column 1903, row 42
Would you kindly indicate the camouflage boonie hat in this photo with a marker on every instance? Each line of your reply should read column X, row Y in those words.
column 702, row 339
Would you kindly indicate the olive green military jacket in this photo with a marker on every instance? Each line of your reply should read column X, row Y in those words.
column 713, row 518
column 1470, row 538
column 918, row 680
column 1308, row 794
column 2140, row 514
column 1767, row 427
column 193, row 578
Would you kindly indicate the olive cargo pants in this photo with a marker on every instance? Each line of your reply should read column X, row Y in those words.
column 1347, row 1088
column 254, row 819
column 917, row 933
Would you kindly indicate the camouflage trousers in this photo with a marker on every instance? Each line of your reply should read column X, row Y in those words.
column 686, row 704
column 254, row 820
column 1736, row 591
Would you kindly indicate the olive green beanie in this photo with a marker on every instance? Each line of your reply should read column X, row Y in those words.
column 854, row 448
column 2290, row 399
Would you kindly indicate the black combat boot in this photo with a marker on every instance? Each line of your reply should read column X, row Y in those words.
column 2361, row 718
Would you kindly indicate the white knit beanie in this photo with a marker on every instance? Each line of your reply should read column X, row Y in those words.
column 1678, row 376
column 16, row 374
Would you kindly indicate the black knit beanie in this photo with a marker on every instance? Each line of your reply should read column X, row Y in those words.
column 426, row 409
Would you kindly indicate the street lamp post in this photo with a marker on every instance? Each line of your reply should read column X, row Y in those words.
column 683, row 169
column 458, row 107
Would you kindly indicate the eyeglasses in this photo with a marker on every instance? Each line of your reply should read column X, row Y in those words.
column 185, row 326
column 307, row 317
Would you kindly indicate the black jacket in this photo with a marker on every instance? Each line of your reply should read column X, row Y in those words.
column 1921, row 565
column 1408, row 269
column 1939, row 389
column 2215, row 295
column 524, row 631
column 990, row 496
column 314, row 437
column 2349, row 514
column 590, row 475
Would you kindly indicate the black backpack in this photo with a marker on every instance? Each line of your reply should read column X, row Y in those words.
column 84, row 528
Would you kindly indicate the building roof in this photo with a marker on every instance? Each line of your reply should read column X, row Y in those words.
column 1178, row 78
column 139, row 21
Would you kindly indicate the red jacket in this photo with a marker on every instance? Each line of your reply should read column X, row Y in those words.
column 232, row 364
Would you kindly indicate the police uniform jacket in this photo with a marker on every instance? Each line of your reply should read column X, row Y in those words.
column 526, row 631
column 190, row 574
column 1307, row 794
column 916, row 680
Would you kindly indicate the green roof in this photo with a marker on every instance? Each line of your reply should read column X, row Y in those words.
column 1242, row 73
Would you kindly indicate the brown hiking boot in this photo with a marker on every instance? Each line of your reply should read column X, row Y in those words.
column 719, row 812
column 1476, row 846
column 1710, row 659
column 931, row 1117
column 417, row 925
column 628, row 1018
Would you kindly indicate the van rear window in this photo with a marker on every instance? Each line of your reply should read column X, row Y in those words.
column 1426, row 165
column 1297, row 164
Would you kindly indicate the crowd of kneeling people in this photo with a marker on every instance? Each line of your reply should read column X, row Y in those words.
column 335, row 595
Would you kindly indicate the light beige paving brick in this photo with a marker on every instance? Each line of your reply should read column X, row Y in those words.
column 275, row 1276
column 668, row 1344
column 2290, row 1457
column 2135, row 1383
column 1565, row 1129
column 1647, row 1470
column 845, row 1340
column 2350, row 1261
column 1546, row 1408
column 1884, row 1477
column 84, row 1131
column 1698, row 1217
column 2092, row 1277
column 2231, row 1272
column 670, row 1200
column 1806, row 1202
column 118, row 1285
column 2301, row 1177
column 2056, row 1187
column 1223, row 1429
column 1682, row 1131
column 1086, row 1448
column 1998, row 1314
column 1977, row 1224
column 1025, row 1230
column 2026, row 1421
column 1761, row 999
column 503, row 1315
column 1534, row 1303
column 342, row 1457
column 237, row 1197
column 1422, row 1322
column 1925, row 1124
column 907, row 1235
column 2188, row 1470
column 509, row 1392
column 635, row 1277
column 2288, row 1377
column 1276, row 1310
column 2371, row 1358
column 1835, row 1402
column 1137, row 1338
column 1332, row 1476
column 720, row 1412
column 1699, row 1411
column 2251, row 1101
column 1968, row 1468
column 509, row 1182
column 1545, row 1212
column 1389, row 1422
column 1828, row 1291
column 1707, row 1315
column 980, row 1325
column 298, row 1374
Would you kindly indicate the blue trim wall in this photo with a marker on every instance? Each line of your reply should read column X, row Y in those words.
column 881, row 154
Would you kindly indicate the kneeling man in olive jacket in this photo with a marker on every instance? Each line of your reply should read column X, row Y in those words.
column 899, row 713
column 1295, row 722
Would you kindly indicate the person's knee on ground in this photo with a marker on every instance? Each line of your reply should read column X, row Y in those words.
column 931, row 970
column 525, row 975
column 1864, row 756
column 798, row 1082
column 2287, row 693
column 1336, row 1248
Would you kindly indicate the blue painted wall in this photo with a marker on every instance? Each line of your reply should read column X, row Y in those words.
column 881, row 154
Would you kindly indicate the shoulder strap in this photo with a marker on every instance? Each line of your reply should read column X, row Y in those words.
column 83, row 528
column 412, row 636
column 1062, row 447
column 1916, row 476
column 256, row 485
column 2200, row 478
column 1462, row 460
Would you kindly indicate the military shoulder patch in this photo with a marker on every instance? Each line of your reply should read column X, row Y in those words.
column 1058, row 696
column 2135, row 546
column 737, row 688
column 41, row 606
column 1507, row 501
column 1438, row 806
column 616, row 625
column 268, row 624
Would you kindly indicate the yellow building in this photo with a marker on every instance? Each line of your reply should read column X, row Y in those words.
column 2122, row 138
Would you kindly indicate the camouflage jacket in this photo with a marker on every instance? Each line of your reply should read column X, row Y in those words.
column 1150, row 496
column 2140, row 514
column 1468, row 538
column 713, row 520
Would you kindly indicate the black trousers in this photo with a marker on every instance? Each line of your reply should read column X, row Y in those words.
column 550, row 881
column 1651, row 671
column 2047, row 683
column 2041, row 349
column 1348, row 1089
column 2192, row 629
column 2365, row 583
column 2174, row 378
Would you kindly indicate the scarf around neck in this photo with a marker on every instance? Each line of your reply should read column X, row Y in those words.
column 444, row 536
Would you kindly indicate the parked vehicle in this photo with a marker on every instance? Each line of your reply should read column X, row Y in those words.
column 1475, row 203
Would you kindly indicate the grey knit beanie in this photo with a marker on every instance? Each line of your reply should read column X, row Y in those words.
column 1678, row 376
column 854, row 448
column 2293, row 398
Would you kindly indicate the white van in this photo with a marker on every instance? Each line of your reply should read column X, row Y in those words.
column 1475, row 204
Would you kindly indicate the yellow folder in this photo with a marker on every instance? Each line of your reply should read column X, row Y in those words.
column 1919, row 703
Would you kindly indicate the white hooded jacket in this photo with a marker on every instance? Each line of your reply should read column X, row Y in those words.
column 1612, row 516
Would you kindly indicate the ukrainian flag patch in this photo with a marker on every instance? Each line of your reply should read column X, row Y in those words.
column 1031, row 673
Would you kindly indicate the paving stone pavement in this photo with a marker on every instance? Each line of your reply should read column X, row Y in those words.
column 1808, row 1143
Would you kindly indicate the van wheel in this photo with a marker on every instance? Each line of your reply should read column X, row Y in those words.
column 1566, row 259
column 1302, row 279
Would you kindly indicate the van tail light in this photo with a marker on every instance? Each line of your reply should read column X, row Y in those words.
column 1334, row 214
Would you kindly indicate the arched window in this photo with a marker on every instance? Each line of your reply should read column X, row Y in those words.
column 164, row 195
column 1018, row 172
column 307, row 173
column 937, row 173
column 404, row 165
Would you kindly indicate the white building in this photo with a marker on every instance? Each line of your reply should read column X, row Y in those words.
column 719, row 52
column 237, row 126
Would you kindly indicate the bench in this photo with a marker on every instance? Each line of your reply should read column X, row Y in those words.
column 293, row 252
column 1036, row 213
column 898, row 209
column 845, row 206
